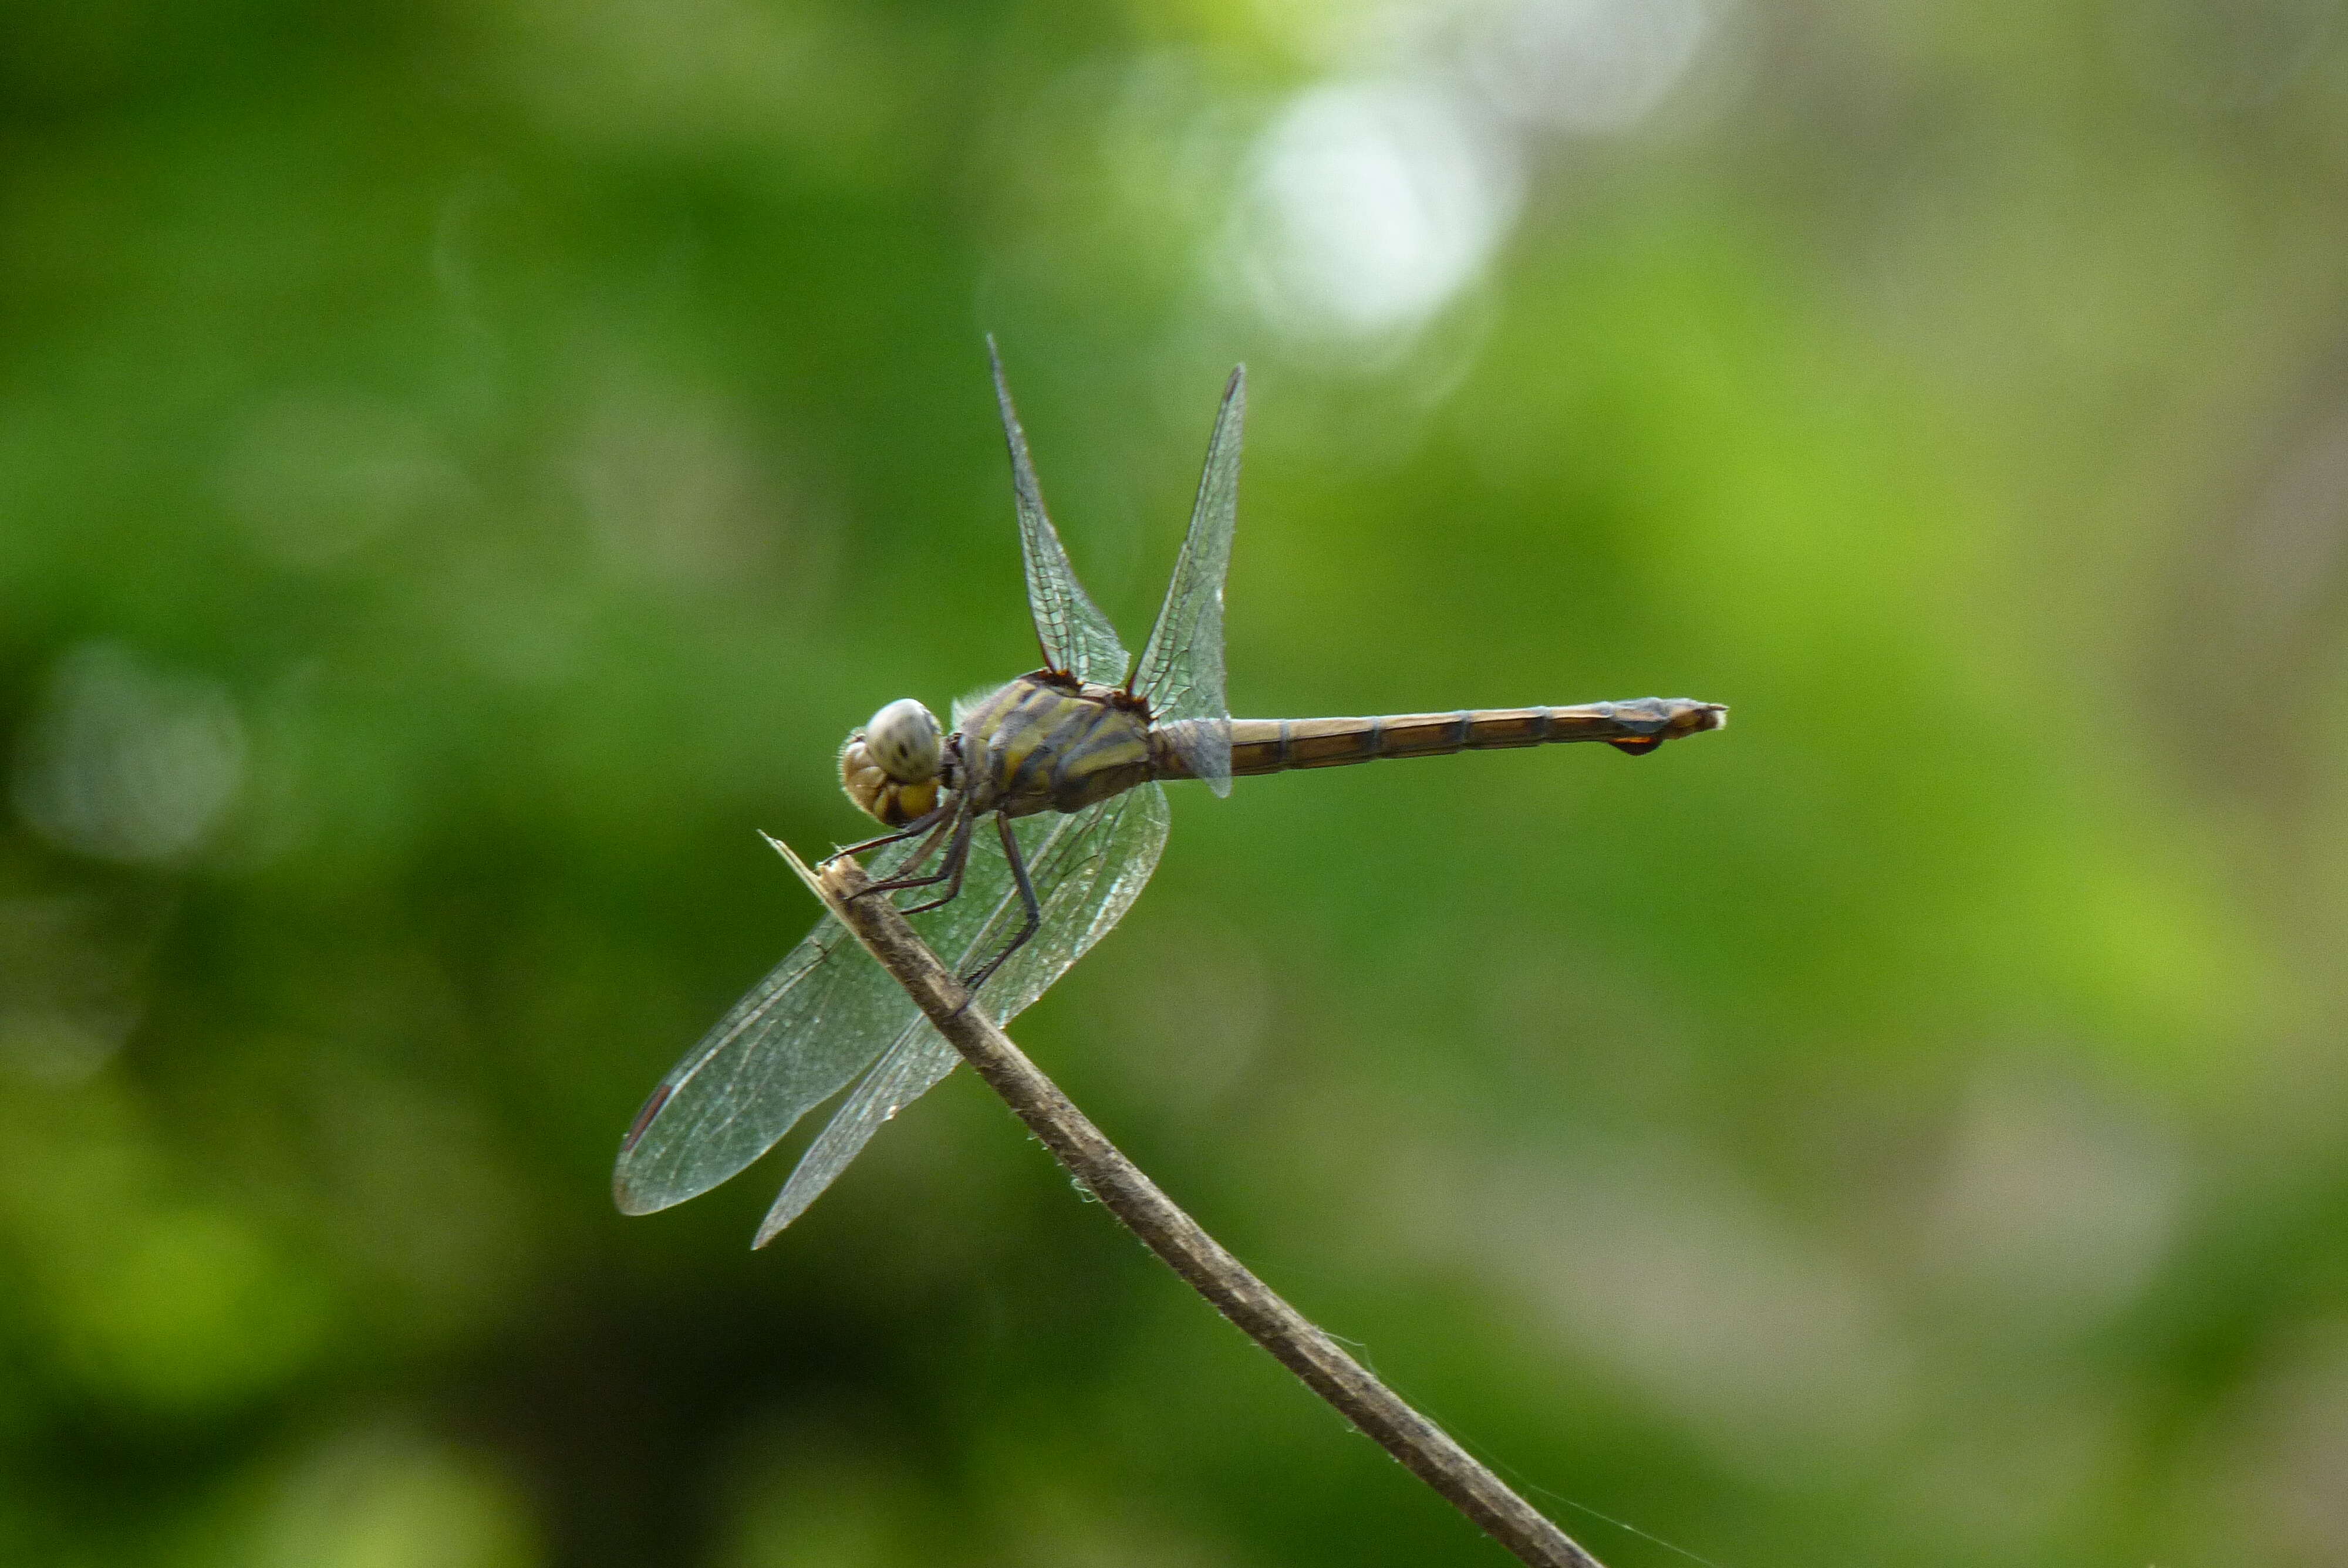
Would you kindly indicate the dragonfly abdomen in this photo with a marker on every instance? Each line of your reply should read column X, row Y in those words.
column 1278, row 746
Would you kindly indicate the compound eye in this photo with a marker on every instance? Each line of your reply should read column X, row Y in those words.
column 904, row 739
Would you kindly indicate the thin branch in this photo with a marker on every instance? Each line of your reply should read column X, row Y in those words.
column 1175, row 1236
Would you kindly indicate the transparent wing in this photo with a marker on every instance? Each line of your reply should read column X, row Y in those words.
column 1075, row 635
column 1181, row 671
column 1087, row 869
column 801, row 1033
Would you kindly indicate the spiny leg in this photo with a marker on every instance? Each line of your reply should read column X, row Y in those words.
column 918, row 858
column 960, row 824
column 1026, row 900
column 920, row 824
column 921, row 856
column 957, row 859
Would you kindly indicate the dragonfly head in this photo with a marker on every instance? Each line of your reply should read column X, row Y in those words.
column 906, row 740
column 893, row 767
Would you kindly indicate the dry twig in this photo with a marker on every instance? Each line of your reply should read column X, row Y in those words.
column 1422, row 1446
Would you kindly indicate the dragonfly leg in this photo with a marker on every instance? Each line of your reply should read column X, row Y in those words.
column 958, row 825
column 1034, row 910
column 920, row 824
column 957, row 859
column 921, row 856
column 915, row 861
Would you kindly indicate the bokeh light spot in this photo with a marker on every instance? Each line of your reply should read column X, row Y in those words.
column 1371, row 205
column 128, row 763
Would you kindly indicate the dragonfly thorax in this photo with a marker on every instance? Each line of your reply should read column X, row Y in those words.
column 1049, row 741
column 894, row 767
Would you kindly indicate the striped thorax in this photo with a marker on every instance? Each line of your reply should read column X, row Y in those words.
column 1049, row 741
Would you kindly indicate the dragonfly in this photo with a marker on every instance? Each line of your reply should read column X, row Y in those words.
column 1019, row 837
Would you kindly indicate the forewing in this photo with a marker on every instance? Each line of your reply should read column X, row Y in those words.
column 1075, row 635
column 1088, row 869
column 800, row 1034
column 1181, row 671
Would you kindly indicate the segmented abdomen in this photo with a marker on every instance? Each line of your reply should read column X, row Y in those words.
column 1277, row 745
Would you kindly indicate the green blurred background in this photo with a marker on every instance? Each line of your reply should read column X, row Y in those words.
column 463, row 467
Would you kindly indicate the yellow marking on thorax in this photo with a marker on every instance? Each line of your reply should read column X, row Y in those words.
column 1037, row 747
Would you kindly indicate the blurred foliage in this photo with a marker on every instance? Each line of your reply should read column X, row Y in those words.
column 463, row 467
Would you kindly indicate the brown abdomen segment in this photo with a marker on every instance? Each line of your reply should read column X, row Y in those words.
column 1277, row 745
